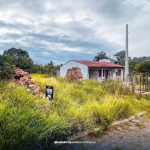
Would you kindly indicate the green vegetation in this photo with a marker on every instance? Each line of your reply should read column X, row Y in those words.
column 140, row 125
column 143, row 67
column 146, row 96
column 20, row 58
column 13, row 58
column 101, row 55
column 28, row 122
column 138, row 64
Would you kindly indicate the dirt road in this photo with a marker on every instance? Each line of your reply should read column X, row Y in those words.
column 133, row 135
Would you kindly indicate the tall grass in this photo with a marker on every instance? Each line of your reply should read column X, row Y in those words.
column 27, row 122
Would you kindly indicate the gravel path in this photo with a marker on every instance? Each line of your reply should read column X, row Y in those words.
column 133, row 135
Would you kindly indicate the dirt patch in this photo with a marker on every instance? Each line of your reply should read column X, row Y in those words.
column 133, row 135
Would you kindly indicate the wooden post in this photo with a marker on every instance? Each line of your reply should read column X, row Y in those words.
column 102, row 74
column 146, row 82
column 133, row 81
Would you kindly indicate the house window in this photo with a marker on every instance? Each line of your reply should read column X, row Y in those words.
column 118, row 73
column 100, row 71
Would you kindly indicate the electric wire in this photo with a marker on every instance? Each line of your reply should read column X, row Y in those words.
column 136, row 7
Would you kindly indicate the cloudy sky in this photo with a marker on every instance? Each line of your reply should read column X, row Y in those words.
column 62, row 30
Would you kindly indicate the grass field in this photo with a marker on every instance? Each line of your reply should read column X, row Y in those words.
column 28, row 122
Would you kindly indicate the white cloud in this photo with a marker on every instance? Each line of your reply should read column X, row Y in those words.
column 74, row 27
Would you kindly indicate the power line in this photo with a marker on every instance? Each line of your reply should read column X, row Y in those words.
column 137, row 7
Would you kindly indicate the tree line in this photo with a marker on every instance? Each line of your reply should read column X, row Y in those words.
column 18, row 58
column 13, row 58
column 137, row 64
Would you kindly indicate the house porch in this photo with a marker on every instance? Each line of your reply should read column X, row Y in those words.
column 101, row 74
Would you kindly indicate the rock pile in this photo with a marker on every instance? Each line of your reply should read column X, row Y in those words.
column 74, row 73
column 24, row 78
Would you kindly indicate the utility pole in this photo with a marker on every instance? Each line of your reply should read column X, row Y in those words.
column 126, row 74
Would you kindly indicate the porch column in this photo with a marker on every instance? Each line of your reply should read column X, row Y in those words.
column 97, row 75
column 101, row 74
column 88, row 73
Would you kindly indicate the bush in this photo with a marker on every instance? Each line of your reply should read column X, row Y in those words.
column 146, row 96
column 115, row 87
column 6, row 68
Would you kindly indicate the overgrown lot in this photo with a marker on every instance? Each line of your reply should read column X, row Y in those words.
column 27, row 122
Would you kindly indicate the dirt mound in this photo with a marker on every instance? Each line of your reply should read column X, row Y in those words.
column 74, row 73
column 24, row 78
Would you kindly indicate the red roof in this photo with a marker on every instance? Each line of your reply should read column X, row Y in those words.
column 93, row 64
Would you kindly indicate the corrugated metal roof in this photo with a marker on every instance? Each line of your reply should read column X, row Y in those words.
column 94, row 64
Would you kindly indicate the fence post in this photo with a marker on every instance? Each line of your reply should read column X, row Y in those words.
column 146, row 80
column 133, row 81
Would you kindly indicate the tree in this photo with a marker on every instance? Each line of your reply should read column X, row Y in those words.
column 51, row 63
column 1, row 60
column 50, row 68
column 58, row 66
column 135, row 63
column 6, row 67
column 101, row 55
column 38, row 68
column 20, row 58
column 16, row 53
column 120, row 59
column 120, row 56
column 143, row 67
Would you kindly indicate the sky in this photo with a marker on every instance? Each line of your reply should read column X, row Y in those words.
column 63, row 30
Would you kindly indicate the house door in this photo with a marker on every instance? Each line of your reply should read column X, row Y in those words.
column 106, row 74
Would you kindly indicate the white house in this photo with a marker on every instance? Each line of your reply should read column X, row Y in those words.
column 98, row 70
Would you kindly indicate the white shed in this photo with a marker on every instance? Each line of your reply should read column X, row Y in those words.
column 98, row 70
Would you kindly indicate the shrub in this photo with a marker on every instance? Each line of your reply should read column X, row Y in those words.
column 146, row 96
column 115, row 87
